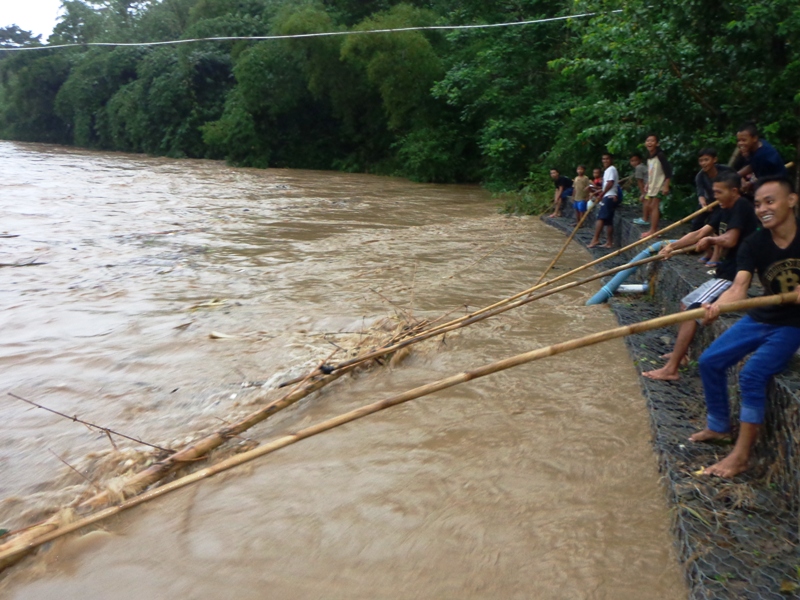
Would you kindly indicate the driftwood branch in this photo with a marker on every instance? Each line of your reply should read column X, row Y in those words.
column 105, row 430
column 92, row 483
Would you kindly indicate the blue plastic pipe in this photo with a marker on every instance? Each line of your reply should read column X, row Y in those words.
column 607, row 291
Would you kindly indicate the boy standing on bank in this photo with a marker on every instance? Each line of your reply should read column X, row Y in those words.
column 608, row 204
column 659, row 175
column 771, row 334
column 727, row 229
column 580, row 189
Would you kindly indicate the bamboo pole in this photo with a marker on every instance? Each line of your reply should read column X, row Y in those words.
column 14, row 549
column 449, row 325
column 563, row 248
column 480, row 316
column 204, row 446
column 470, row 318
column 196, row 451
column 200, row 449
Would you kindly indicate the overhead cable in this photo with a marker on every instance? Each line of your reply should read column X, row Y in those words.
column 309, row 35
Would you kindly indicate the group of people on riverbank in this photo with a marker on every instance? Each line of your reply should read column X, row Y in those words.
column 752, row 228
column 652, row 181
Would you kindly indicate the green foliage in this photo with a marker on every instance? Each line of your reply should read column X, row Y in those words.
column 535, row 196
column 402, row 66
column 488, row 105
column 30, row 85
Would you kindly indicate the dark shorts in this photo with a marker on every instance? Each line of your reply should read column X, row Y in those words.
column 567, row 193
column 607, row 207
column 580, row 205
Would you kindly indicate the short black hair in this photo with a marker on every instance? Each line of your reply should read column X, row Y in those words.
column 707, row 151
column 651, row 134
column 784, row 182
column 556, row 170
column 750, row 127
column 637, row 155
column 730, row 178
column 608, row 154
column 581, row 167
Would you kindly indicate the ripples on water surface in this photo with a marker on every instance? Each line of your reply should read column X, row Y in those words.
column 538, row 482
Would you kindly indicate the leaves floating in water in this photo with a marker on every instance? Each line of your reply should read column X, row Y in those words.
column 788, row 587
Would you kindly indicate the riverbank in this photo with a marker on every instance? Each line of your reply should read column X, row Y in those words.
column 738, row 538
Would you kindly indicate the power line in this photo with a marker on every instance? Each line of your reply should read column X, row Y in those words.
column 311, row 35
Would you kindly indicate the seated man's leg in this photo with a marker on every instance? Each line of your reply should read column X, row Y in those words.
column 669, row 372
column 778, row 346
column 728, row 349
column 708, row 292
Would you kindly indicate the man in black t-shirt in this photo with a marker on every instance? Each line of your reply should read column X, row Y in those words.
column 704, row 183
column 725, row 231
column 563, row 191
column 771, row 334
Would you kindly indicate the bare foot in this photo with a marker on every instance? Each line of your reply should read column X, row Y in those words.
column 662, row 374
column 553, row 216
column 684, row 360
column 593, row 245
column 609, row 245
column 707, row 435
column 728, row 467
column 646, row 234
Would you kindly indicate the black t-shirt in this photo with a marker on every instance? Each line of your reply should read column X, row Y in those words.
column 779, row 271
column 739, row 216
column 563, row 181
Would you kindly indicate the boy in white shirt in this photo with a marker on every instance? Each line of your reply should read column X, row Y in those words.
column 608, row 203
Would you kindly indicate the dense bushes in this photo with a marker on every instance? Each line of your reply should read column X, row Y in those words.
column 492, row 105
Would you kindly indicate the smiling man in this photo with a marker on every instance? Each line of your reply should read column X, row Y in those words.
column 763, row 159
column 727, row 229
column 770, row 334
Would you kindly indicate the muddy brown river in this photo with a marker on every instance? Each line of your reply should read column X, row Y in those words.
column 538, row 482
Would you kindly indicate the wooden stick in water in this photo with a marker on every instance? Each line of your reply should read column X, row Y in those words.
column 563, row 248
column 449, row 325
column 459, row 323
column 16, row 548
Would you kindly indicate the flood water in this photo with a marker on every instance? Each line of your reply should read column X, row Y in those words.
column 538, row 482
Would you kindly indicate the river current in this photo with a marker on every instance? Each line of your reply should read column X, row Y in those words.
column 538, row 482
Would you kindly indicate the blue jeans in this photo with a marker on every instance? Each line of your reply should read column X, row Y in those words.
column 772, row 347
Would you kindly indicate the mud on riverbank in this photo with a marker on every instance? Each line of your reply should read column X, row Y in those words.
column 738, row 538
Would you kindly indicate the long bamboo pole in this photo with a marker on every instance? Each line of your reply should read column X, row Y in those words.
column 481, row 315
column 563, row 248
column 447, row 326
column 15, row 549
column 202, row 447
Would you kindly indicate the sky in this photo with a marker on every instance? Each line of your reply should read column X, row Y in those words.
column 38, row 16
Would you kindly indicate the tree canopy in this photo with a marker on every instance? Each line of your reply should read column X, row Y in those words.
column 495, row 105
